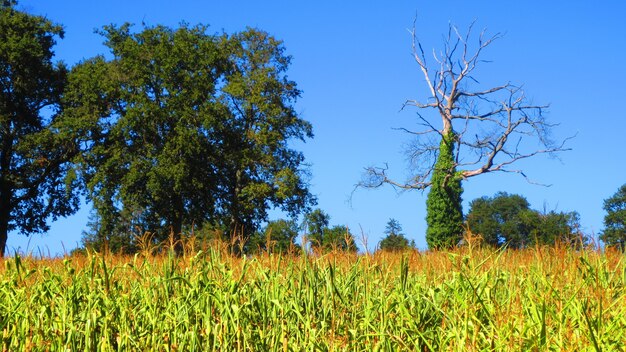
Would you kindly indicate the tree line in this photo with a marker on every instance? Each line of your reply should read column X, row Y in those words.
column 175, row 130
column 181, row 131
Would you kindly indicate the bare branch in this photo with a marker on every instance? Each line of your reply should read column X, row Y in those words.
column 375, row 177
column 414, row 132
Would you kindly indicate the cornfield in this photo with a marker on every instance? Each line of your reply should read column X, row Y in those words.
column 470, row 299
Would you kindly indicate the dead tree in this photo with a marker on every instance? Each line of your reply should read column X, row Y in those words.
column 483, row 130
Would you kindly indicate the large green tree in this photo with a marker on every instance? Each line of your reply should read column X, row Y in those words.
column 148, row 123
column 614, row 233
column 474, row 130
column 184, row 129
column 507, row 219
column 36, row 177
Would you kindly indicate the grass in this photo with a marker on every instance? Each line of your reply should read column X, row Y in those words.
column 470, row 299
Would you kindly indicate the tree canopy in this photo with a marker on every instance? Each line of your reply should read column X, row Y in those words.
column 614, row 233
column 37, row 180
column 182, row 129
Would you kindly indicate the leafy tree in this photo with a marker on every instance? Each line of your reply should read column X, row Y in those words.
column 481, row 130
column 279, row 236
column 501, row 219
column 325, row 238
column 506, row 219
column 182, row 128
column 559, row 227
column 339, row 238
column 395, row 240
column 147, row 121
column 36, row 176
column 614, row 233
column 316, row 222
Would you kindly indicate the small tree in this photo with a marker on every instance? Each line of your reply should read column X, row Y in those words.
column 339, row 238
column 325, row 238
column 395, row 240
column 481, row 130
column 614, row 233
column 316, row 223
column 279, row 236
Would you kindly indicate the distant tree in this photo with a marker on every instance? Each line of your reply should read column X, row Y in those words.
column 481, row 130
column 506, row 219
column 37, row 181
column 183, row 129
column 119, row 238
column 500, row 219
column 339, row 238
column 279, row 236
column 316, row 223
column 560, row 227
column 614, row 233
column 395, row 240
column 323, row 237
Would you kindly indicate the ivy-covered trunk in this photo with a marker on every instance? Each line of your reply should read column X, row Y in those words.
column 444, row 212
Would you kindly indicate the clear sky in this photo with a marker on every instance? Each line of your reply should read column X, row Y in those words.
column 352, row 59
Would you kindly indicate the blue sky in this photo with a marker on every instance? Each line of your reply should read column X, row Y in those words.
column 352, row 59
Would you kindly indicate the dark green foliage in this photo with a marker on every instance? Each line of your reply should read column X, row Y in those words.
column 506, row 219
column 443, row 205
column 325, row 238
column 256, row 165
column 7, row 4
column 316, row 222
column 614, row 233
column 36, row 176
column 339, row 238
column 183, row 128
column 501, row 219
column 395, row 240
column 279, row 236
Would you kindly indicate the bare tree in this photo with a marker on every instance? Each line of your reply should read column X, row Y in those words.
column 483, row 129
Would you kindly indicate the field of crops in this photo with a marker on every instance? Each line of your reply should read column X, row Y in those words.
column 466, row 300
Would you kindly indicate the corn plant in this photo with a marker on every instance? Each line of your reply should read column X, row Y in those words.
column 469, row 299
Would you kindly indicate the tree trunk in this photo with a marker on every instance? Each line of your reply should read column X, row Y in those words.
column 5, row 214
column 5, row 188
column 444, row 213
column 4, row 231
